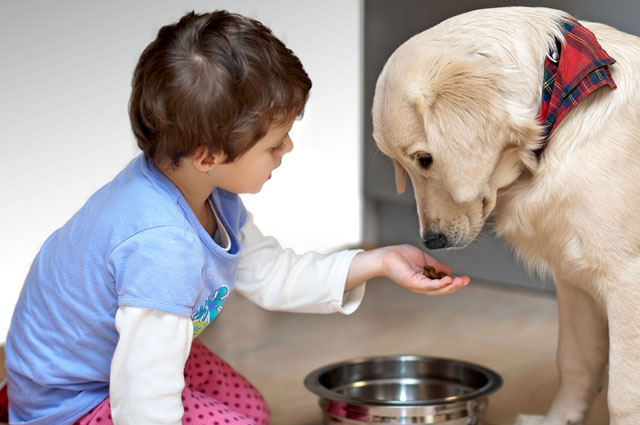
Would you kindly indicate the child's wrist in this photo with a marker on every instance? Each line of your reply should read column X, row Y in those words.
column 364, row 266
column 379, row 268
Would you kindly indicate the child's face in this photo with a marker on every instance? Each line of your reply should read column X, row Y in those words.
column 249, row 172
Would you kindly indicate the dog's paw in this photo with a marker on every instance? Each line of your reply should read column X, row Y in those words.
column 545, row 420
column 530, row 420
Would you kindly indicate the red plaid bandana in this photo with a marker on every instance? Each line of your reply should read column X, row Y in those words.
column 581, row 68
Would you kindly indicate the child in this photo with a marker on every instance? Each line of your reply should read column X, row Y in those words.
column 105, row 328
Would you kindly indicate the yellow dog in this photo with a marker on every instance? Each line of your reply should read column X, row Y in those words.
column 458, row 108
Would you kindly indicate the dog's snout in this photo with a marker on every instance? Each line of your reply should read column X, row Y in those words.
column 435, row 240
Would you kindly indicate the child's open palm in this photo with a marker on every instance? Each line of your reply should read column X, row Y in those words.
column 404, row 264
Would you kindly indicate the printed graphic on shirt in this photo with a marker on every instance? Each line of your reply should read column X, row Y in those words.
column 209, row 310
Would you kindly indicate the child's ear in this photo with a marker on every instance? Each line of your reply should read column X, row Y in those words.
column 204, row 160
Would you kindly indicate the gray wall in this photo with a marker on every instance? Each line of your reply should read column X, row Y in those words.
column 391, row 218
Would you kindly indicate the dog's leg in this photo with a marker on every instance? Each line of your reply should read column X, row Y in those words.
column 623, row 310
column 582, row 357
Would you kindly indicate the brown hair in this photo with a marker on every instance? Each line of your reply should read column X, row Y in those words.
column 217, row 80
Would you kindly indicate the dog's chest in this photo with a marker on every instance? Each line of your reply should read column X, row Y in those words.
column 566, row 230
column 533, row 235
column 539, row 224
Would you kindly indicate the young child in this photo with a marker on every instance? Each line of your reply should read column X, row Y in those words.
column 105, row 327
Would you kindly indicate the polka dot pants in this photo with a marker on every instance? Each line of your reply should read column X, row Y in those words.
column 214, row 394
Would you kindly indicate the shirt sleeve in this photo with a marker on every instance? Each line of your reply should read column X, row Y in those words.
column 277, row 278
column 147, row 368
column 159, row 268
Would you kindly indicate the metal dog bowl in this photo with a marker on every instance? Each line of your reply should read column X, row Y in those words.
column 403, row 390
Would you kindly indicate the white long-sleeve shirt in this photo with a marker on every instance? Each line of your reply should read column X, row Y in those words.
column 147, row 380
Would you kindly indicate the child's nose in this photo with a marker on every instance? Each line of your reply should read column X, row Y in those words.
column 288, row 145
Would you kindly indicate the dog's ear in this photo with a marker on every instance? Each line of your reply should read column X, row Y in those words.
column 401, row 177
column 422, row 103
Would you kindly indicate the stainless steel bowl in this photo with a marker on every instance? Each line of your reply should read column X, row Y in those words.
column 403, row 390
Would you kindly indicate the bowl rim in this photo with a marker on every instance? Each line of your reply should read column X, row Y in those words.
column 312, row 382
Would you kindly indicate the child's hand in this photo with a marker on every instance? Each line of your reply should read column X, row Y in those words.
column 404, row 264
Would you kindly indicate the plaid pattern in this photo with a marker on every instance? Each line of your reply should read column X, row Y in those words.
column 581, row 69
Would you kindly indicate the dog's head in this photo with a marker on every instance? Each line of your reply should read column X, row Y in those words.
column 442, row 119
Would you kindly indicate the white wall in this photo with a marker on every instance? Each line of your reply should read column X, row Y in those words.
column 65, row 70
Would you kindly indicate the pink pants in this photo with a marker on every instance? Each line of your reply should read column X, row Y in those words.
column 214, row 394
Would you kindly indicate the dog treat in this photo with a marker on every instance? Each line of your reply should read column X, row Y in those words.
column 431, row 273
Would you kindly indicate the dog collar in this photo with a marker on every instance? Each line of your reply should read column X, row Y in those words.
column 577, row 67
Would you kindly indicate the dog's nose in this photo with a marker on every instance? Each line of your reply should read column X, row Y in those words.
column 434, row 240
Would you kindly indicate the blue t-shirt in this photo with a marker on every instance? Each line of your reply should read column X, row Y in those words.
column 136, row 242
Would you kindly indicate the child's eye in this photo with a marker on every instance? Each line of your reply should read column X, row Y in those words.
column 277, row 148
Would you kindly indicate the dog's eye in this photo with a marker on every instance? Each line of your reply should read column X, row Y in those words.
column 424, row 159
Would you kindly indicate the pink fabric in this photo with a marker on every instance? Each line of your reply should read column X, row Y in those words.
column 214, row 394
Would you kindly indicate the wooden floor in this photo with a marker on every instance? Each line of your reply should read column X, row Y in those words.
column 510, row 331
